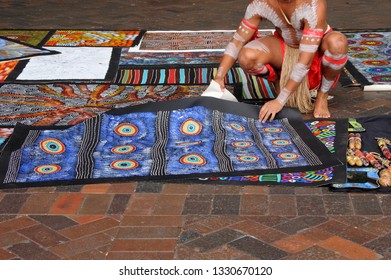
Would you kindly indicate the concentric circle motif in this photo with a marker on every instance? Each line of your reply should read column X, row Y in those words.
column 376, row 62
column 378, row 70
column 126, row 129
column 281, row 142
column 193, row 159
column 358, row 49
column 272, row 129
column 382, row 79
column 47, row 169
column 364, row 55
column 371, row 43
column 248, row 158
column 191, row 127
column 52, row 146
column 351, row 42
column 288, row 156
column 237, row 127
column 388, row 52
column 372, row 35
column 124, row 149
column 242, row 144
column 125, row 164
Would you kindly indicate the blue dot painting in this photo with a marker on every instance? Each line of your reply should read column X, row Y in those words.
column 188, row 138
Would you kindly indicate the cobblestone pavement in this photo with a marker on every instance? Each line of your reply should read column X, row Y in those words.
column 153, row 220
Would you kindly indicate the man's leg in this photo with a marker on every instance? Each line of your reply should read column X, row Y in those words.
column 334, row 48
column 259, row 56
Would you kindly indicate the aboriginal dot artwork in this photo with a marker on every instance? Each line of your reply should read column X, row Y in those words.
column 124, row 149
column 281, row 142
column 242, row 144
column 126, row 129
column 69, row 104
column 325, row 131
column 47, row 169
column 193, row 159
column 191, row 127
column 370, row 54
column 5, row 133
column 124, row 164
column 88, row 38
column 192, row 140
column 248, row 158
column 52, row 146
column 14, row 50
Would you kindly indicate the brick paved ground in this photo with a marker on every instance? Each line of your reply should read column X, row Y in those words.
column 152, row 220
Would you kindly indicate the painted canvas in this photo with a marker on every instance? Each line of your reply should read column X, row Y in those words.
column 186, row 138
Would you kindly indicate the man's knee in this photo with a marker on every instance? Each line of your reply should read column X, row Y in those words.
column 252, row 65
column 247, row 59
column 336, row 43
column 335, row 54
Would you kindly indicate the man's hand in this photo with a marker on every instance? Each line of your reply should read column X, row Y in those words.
column 220, row 82
column 269, row 110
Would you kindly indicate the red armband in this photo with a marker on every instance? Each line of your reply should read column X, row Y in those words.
column 248, row 25
column 313, row 32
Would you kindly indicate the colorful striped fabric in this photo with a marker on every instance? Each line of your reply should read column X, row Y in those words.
column 252, row 87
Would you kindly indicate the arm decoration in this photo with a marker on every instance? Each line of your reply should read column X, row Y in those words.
column 313, row 33
column 310, row 40
column 239, row 37
column 245, row 26
column 242, row 35
column 298, row 73
column 232, row 50
column 335, row 62
column 283, row 96
column 308, row 48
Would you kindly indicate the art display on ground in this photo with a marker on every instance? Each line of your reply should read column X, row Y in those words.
column 369, row 59
column 187, row 138
column 74, row 100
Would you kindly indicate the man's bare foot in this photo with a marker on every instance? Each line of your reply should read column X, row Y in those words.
column 321, row 106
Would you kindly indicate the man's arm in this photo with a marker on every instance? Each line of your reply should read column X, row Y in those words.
column 246, row 31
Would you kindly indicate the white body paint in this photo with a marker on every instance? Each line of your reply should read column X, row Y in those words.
column 232, row 50
column 305, row 11
column 290, row 35
column 326, row 85
column 283, row 96
column 340, row 58
column 308, row 48
column 239, row 37
column 298, row 73
column 257, row 45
